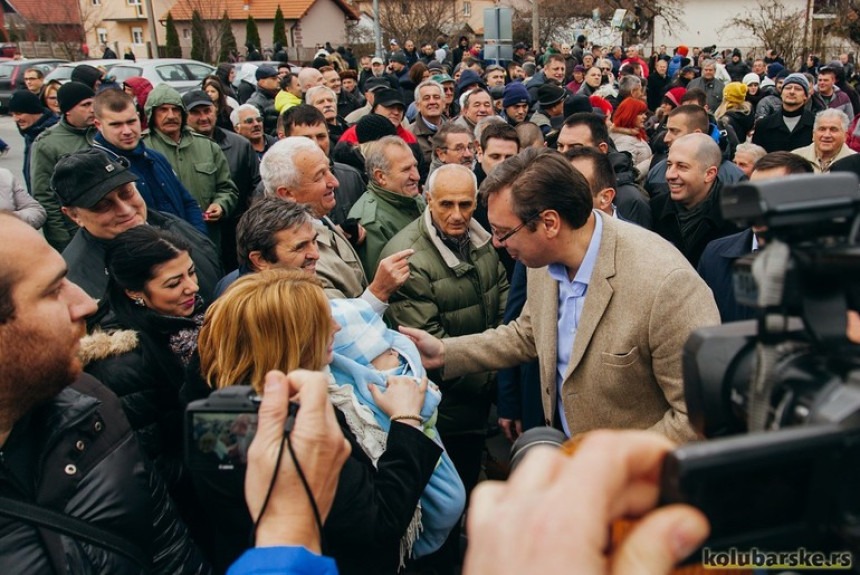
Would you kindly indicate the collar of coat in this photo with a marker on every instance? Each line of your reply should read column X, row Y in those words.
column 477, row 235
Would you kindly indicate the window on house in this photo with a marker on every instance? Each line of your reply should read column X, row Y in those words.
column 137, row 36
column 132, row 2
column 101, row 33
column 186, row 33
column 97, row 2
column 467, row 9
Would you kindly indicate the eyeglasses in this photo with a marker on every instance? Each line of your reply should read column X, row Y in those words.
column 606, row 69
column 502, row 239
column 249, row 121
column 461, row 148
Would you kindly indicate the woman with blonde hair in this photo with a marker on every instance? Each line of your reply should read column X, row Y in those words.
column 281, row 319
column 736, row 110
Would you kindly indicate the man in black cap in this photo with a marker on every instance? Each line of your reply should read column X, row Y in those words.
column 519, row 53
column 87, row 75
column 241, row 159
column 73, row 132
column 371, row 85
column 268, row 85
column 32, row 118
column 99, row 194
column 398, row 66
column 551, row 100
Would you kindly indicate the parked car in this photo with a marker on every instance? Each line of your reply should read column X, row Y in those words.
column 246, row 70
column 63, row 72
column 12, row 76
column 181, row 74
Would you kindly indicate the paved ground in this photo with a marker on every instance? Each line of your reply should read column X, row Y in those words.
column 9, row 133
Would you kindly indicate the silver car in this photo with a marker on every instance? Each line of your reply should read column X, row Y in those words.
column 178, row 73
column 63, row 72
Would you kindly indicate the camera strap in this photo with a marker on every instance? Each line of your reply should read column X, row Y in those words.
column 75, row 528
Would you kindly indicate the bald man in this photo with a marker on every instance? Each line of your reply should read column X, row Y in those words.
column 689, row 215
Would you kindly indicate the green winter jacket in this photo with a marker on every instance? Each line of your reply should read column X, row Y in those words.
column 448, row 297
column 198, row 161
column 383, row 214
column 60, row 139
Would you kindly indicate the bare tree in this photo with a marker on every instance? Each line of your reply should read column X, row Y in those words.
column 65, row 26
column 776, row 26
column 559, row 16
column 419, row 21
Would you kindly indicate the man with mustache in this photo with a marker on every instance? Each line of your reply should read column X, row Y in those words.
column 197, row 160
column 248, row 123
column 324, row 99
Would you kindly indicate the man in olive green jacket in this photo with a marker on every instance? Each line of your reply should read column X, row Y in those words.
column 198, row 161
column 74, row 132
column 457, row 286
column 392, row 198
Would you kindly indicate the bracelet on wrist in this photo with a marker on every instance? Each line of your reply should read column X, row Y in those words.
column 411, row 416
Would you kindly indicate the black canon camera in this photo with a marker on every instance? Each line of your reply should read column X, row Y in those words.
column 219, row 430
column 781, row 394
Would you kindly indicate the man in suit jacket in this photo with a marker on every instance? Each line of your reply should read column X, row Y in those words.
column 295, row 168
column 609, row 306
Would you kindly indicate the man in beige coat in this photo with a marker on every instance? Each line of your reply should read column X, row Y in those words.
column 629, row 300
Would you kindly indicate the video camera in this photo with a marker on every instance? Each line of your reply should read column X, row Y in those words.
column 781, row 393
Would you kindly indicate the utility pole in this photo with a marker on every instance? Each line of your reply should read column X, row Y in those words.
column 153, row 33
column 535, row 28
column 377, row 33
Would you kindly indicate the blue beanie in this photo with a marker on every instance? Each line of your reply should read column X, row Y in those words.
column 773, row 69
column 467, row 78
column 515, row 93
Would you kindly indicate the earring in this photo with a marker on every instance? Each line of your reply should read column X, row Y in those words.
column 139, row 301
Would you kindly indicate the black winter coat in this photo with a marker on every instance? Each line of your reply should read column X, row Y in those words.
column 371, row 510
column 772, row 134
column 712, row 226
column 76, row 454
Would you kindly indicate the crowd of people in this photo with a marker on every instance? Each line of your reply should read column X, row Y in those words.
column 330, row 220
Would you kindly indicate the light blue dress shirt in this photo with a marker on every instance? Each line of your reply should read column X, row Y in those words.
column 571, row 298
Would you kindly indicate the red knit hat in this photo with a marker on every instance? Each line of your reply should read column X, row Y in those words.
column 602, row 104
column 683, row 50
column 674, row 95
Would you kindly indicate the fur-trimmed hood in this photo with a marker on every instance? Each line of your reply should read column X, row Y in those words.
column 100, row 344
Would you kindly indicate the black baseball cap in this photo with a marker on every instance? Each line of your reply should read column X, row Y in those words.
column 82, row 179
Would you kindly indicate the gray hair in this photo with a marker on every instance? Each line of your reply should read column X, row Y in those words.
column 426, row 83
column 754, row 150
column 832, row 113
column 710, row 62
column 627, row 84
column 312, row 93
column 234, row 115
column 278, row 168
column 266, row 217
column 479, row 127
column 377, row 159
column 431, row 180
